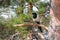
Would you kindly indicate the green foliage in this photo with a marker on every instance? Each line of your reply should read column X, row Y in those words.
column 21, row 18
column 42, row 10
column 32, row 1
column 42, row 7
column 6, row 2
column 19, row 10
column 9, row 26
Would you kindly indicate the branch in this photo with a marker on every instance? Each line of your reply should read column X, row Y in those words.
column 31, row 24
column 41, row 35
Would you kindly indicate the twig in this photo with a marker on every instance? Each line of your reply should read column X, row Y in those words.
column 41, row 35
column 31, row 24
column 12, row 36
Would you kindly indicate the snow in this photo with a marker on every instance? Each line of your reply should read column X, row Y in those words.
column 7, row 12
column 5, row 16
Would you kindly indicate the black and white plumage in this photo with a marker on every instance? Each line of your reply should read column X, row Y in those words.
column 34, row 15
column 34, row 8
column 36, row 20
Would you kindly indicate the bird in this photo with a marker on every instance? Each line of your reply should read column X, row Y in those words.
column 35, row 9
column 36, row 20
column 34, row 15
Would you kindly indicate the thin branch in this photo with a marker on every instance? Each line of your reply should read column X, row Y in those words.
column 31, row 24
column 41, row 35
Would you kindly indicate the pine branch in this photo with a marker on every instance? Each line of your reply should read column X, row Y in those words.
column 31, row 24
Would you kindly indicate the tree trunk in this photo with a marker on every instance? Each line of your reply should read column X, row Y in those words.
column 54, row 32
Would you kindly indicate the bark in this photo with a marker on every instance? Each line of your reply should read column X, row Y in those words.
column 54, row 33
column 30, row 10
